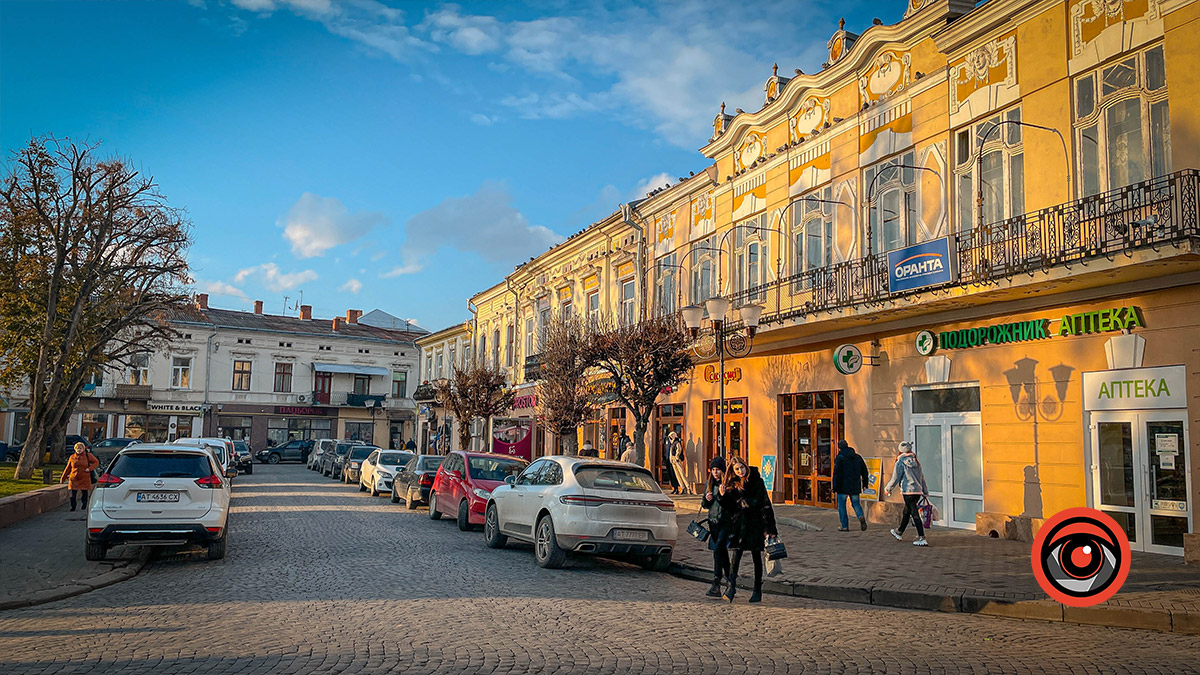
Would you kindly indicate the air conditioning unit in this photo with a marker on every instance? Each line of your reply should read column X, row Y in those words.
column 302, row 398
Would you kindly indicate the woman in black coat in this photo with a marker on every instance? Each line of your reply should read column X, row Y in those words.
column 718, row 525
column 748, row 508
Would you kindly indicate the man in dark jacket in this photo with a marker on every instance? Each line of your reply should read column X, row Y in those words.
column 718, row 525
column 850, row 478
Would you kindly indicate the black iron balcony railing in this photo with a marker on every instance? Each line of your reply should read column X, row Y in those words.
column 364, row 400
column 1159, row 213
column 425, row 392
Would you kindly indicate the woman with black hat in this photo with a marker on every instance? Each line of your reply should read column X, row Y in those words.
column 718, row 524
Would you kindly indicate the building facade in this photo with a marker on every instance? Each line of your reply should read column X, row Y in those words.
column 259, row 377
column 439, row 352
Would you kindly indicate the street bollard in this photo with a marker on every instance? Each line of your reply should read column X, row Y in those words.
column 47, row 476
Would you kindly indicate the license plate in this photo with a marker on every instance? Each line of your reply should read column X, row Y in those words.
column 158, row 496
column 631, row 535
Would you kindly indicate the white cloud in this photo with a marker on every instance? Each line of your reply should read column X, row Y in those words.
column 221, row 288
column 654, row 182
column 352, row 286
column 468, row 34
column 481, row 119
column 316, row 224
column 273, row 279
column 369, row 23
column 485, row 223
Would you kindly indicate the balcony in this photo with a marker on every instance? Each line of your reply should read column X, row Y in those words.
column 132, row 392
column 365, row 400
column 1074, row 245
column 533, row 367
column 425, row 393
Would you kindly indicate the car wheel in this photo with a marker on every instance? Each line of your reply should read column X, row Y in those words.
column 375, row 491
column 250, row 469
column 273, row 459
column 464, row 516
column 216, row 548
column 94, row 551
column 361, row 487
column 409, row 501
column 660, row 562
column 545, row 549
column 395, row 497
column 491, row 528
column 433, row 512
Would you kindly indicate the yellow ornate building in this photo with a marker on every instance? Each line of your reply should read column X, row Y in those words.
column 975, row 229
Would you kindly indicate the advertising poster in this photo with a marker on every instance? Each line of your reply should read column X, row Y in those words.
column 513, row 437
column 874, row 478
column 767, row 470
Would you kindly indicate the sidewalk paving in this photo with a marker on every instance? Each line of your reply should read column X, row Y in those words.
column 41, row 560
column 959, row 571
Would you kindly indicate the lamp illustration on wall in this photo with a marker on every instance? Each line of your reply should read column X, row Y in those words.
column 1032, row 403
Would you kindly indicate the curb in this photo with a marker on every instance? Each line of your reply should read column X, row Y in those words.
column 1160, row 620
column 116, row 575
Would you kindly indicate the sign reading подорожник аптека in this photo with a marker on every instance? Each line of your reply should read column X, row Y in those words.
column 1085, row 323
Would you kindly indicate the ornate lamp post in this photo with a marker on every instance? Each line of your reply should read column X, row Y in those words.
column 725, row 341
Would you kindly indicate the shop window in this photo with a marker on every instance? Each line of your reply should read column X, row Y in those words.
column 812, row 234
column 665, row 285
column 891, row 203
column 1122, row 125
column 990, row 156
column 236, row 427
column 399, row 383
column 148, row 428
column 241, row 375
column 362, row 383
column 361, row 432
column 139, row 369
column 283, row 377
column 955, row 399
column 280, row 430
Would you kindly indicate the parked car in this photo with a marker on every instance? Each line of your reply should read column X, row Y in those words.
column 329, row 461
column 583, row 505
column 108, row 448
column 415, row 480
column 465, row 481
column 242, row 460
column 14, row 451
column 379, row 469
column 221, row 448
column 320, row 446
column 160, row 495
column 350, row 464
column 293, row 451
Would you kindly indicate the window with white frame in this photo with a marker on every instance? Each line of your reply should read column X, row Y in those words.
column 510, row 345
column 565, row 308
column 891, row 189
column 593, row 306
column 440, row 366
column 1122, row 124
column 666, row 284
column 139, row 369
column 989, row 156
column 181, row 372
column 812, row 232
column 482, row 346
column 241, row 375
column 750, row 253
column 528, row 336
column 704, row 270
column 496, row 348
column 627, row 303
column 453, row 361
column 543, row 319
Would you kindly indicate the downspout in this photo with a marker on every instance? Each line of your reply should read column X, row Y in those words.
column 208, row 351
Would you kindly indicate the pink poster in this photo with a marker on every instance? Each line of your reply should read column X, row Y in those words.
column 513, row 437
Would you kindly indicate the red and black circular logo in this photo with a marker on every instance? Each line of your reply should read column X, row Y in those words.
column 1080, row 557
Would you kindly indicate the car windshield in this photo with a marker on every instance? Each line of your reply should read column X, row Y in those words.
column 394, row 458
column 612, row 478
column 430, row 464
column 343, row 448
column 160, row 465
column 495, row 468
column 241, row 446
column 361, row 452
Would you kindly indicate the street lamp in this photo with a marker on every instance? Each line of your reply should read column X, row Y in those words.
column 733, row 343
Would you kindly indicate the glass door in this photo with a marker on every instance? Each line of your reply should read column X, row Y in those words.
column 950, row 450
column 1167, row 513
column 1114, row 470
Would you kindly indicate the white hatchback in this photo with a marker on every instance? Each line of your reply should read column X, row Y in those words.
column 565, row 505
column 160, row 495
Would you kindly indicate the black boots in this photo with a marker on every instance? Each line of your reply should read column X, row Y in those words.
column 730, row 589
column 756, row 596
column 714, row 591
column 862, row 524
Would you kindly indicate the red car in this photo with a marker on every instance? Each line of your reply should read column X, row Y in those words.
column 465, row 481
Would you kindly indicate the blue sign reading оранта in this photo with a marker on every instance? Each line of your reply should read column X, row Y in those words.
column 922, row 265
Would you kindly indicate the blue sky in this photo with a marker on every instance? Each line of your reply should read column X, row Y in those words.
column 401, row 156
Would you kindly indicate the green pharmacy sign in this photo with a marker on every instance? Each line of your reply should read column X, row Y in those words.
column 1086, row 323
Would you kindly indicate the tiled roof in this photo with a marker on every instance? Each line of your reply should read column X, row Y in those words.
column 228, row 318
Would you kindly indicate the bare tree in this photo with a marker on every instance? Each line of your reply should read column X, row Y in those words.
column 562, row 390
column 642, row 359
column 92, row 268
column 477, row 390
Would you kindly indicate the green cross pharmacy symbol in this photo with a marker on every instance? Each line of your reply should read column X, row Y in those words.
column 848, row 359
column 926, row 343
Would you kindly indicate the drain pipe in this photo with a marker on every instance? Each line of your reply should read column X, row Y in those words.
column 208, row 352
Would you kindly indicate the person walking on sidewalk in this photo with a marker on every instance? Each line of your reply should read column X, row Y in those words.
column 677, row 463
column 718, row 524
column 850, row 478
column 911, row 479
column 745, row 495
column 78, row 474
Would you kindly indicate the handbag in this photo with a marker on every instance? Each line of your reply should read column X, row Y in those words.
column 697, row 529
column 775, row 549
column 925, row 510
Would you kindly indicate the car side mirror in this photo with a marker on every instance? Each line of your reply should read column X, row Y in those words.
column 511, row 480
column 231, row 473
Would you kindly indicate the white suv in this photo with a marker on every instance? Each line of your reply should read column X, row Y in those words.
column 565, row 505
column 160, row 495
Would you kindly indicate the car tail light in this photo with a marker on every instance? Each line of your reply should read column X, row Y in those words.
column 95, row 530
column 108, row 480
column 582, row 500
column 426, row 479
column 213, row 530
column 210, row 482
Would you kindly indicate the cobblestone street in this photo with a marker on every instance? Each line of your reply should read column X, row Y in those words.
column 322, row 578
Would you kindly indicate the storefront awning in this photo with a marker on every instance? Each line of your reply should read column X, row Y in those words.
column 352, row 369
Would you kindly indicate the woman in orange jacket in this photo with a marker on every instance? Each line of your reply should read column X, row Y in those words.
column 78, row 473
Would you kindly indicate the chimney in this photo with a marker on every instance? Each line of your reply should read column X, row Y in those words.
column 258, row 306
column 337, row 323
column 352, row 315
column 306, row 312
column 202, row 300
